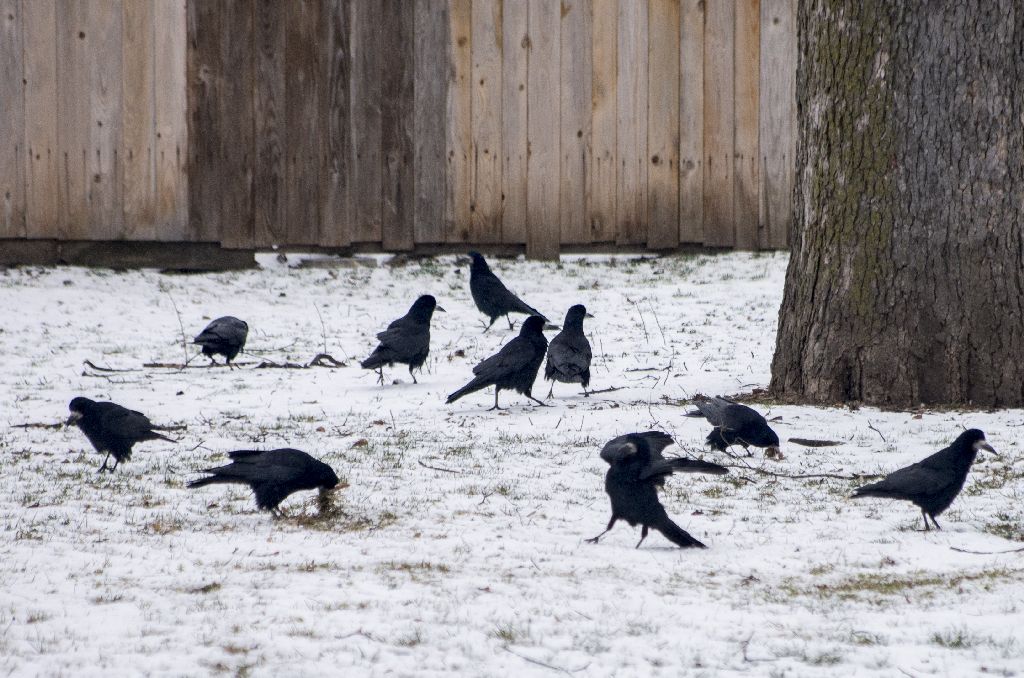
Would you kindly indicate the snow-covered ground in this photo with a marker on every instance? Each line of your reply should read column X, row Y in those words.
column 457, row 546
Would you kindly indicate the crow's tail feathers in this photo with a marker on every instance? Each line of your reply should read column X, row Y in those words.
column 376, row 359
column 676, row 534
column 211, row 480
column 471, row 387
column 874, row 490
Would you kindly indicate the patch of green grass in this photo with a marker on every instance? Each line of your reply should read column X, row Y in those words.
column 953, row 639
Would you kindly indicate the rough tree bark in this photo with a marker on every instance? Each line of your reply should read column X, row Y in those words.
column 906, row 279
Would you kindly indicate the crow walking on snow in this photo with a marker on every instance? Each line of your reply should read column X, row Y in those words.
column 112, row 429
column 514, row 367
column 406, row 340
column 636, row 469
column 933, row 483
column 224, row 336
column 569, row 354
column 492, row 297
column 272, row 475
column 735, row 424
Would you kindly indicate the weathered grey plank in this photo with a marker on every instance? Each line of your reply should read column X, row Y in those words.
column 171, row 123
column 777, row 120
column 367, row 55
column 73, row 120
column 238, row 63
column 335, row 108
column 42, row 197
column 515, row 48
column 270, row 124
column 458, row 141
column 631, row 121
column 601, row 204
column 106, row 173
column 431, row 96
column 12, row 120
column 747, row 157
column 485, row 163
column 663, row 124
column 719, row 124
column 301, row 133
column 542, row 228
column 204, row 77
column 138, row 153
column 691, row 122
column 397, row 125
column 576, row 76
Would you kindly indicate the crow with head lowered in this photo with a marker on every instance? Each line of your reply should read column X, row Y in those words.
column 224, row 336
column 934, row 482
column 272, row 475
column 406, row 340
column 492, row 297
column 636, row 469
column 514, row 367
column 112, row 429
column 569, row 354
column 735, row 424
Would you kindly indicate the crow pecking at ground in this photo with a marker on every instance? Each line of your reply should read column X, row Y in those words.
column 735, row 424
column 934, row 482
column 569, row 354
column 492, row 297
column 406, row 340
column 112, row 429
column 224, row 336
column 515, row 366
column 272, row 475
column 636, row 469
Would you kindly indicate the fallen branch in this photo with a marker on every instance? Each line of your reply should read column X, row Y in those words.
column 96, row 367
column 649, row 369
column 38, row 425
column 610, row 389
column 325, row 360
column 808, row 442
column 540, row 663
column 986, row 553
column 872, row 427
column 438, row 468
column 766, row 472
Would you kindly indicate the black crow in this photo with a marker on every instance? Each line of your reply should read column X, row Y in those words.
column 272, row 475
column 515, row 366
column 492, row 297
column 406, row 340
column 569, row 353
column 934, row 482
column 112, row 429
column 636, row 469
column 735, row 424
column 224, row 336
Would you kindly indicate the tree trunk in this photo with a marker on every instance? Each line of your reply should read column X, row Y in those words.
column 906, row 279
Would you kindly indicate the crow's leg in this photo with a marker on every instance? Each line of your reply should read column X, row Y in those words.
column 643, row 535
column 380, row 375
column 935, row 523
column 104, row 467
column 611, row 524
column 412, row 375
column 529, row 395
column 495, row 401
column 490, row 324
column 552, row 389
column 508, row 319
column 116, row 462
column 925, row 516
column 585, row 393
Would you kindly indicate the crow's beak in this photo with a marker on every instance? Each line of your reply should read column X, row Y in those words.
column 440, row 308
column 589, row 315
column 982, row 445
column 73, row 419
column 548, row 327
column 772, row 451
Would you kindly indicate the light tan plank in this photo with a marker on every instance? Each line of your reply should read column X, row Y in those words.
column 777, row 121
column 631, row 121
column 542, row 219
column 74, row 41
column 663, row 124
column 459, row 134
column 747, row 156
column 106, row 172
column 139, row 140
column 41, row 193
column 430, row 94
column 691, row 122
column 515, row 47
column 12, row 120
column 603, row 113
column 485, row 167
column 577, row 75
column 171, row 120
column 719, row 125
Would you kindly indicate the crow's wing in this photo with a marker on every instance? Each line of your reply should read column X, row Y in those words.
column 513, row 356
column 713, row 409
column 282, row 466
column 916, row 479
column 736, row 417
column 490, row 287
column 568, row 356
column 224, row 330
column 122, row 422
column 665, row 467
column 618, row 448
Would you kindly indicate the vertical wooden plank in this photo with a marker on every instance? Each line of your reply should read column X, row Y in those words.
column 719, row 124
column 747, row 157
column 106, row 175
column 367, row 57
column 458, row 143
column 485, row 151
column 138, row 154
column 576, row 77
column 171, row 120
column 777, row 120
column 301, row 133
column 631, row 120
column 205, row 81
column 237, row 220
column 270, row 125
column 336, row 181
column 604, row 129
column 663, row 124
column 42, row 197
column 73, row 116
column 691, row 122
column 543, row 233
column 514, row 53
column 430, row 95
column 397, row 126
column 12, row 120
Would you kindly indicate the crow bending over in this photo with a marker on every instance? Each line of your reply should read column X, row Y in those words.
column 569, row 354
column 406, row 340
column 934, row 482
column 735, row 424
column 514, row 367
column 272, row 475
column 636, row 469
column 112, row 429
column 224, row 336
column 492, row 297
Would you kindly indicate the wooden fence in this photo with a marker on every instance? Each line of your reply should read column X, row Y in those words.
column 400, row 123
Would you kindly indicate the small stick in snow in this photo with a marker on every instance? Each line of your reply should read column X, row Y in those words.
column 986, row 553
column 438, row 468
column 106, row 369
column 809, row 442
column 872, row 427
column 540, row 663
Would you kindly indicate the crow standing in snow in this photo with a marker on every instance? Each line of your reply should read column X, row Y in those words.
column 515, row 366
column 406, row 340
column 272, row 475
column 735, row 424
column 934, row 482
column 636, row 469
column 224, row 336
column 569, row 354
column 492, row 297
column 112, row 429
